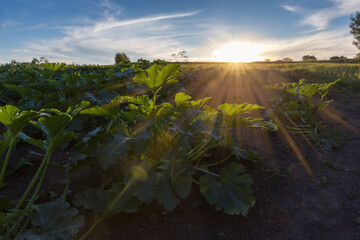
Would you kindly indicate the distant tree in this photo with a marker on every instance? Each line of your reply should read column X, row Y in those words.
column 160, row 62
column 180, row 54
column 121, row 57
column 35, row 61
column 143, row 63
column 287, row 59
column 174, row 56
column 267, row 60
column 338, row 59
column 44, row 60
column 355, row 28
column 357, row 57
column 307, row 58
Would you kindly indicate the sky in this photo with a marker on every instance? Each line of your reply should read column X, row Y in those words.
column 92, row 31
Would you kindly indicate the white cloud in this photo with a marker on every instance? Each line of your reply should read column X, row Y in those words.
column 323, row 45
column 147, row 37
column 320, row 19
column 294, row 8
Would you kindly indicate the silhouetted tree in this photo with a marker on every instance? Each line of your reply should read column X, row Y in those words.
column 307, row 58
column 355, row 28
column 287, row 59
column 180, row 54
column 338, row 59
column 121, row 57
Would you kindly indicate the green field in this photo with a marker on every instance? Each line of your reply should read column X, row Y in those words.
column 80, row 145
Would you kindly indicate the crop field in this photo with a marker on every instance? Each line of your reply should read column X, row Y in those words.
column 154, row 150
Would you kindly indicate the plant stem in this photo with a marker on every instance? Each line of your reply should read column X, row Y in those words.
column 208, row 172
column 97, row 221
column 7, row 158
column 217, row 163
column 38, row 188
column 66, row 187
column 36, row 176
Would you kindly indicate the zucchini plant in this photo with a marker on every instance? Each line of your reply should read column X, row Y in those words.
column 51, row 122
column 156, row 150
column 298, row 108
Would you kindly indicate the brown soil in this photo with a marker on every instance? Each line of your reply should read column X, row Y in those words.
column 302, row 192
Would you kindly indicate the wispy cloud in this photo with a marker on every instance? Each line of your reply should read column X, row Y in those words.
column 111, row 8
column 320, row 19
column 292, row 8
column 148, row 37
column 7, row 24
column 323, row 45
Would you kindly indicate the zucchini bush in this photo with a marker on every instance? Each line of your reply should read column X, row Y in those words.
column 298, row 108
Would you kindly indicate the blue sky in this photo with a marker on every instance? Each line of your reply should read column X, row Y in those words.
column 92, row 31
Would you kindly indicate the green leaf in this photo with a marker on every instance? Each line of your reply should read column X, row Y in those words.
column 13, row 120
column 232, row 193
column 247, row 154
column 63, row 137
column 199, row 103
column 23, row 91
column 183, row 185
column 33, row 141
column 108, row 110
column 75, row 109
column 236, row 109
column 164, row 193
column 140, row 100
column 54, row 220
column 92, row 199
column 110, row 153
column 143, row 187
column 118, row 199
column 53, row 124
column 157, row 76
column 182, row 100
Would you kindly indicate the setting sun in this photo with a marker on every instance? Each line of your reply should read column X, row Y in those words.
column 238, row 52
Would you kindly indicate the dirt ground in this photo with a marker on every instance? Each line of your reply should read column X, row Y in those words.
column 302, row 192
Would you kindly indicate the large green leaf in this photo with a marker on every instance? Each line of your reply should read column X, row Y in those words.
column 111, row 152
column 232, row 192
column 118, row 199
column 108, row 110
column 75, row 109
column 23, row 91
column 164, row 193
column 92, row 199
column 13, row 120
column 247, row 154
column 236, row 109
column 53, row 124
column 63, row 137
column 157, row 76
column 143, row 188
column 54, row 220
column 182, row 100
column 33, row 141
